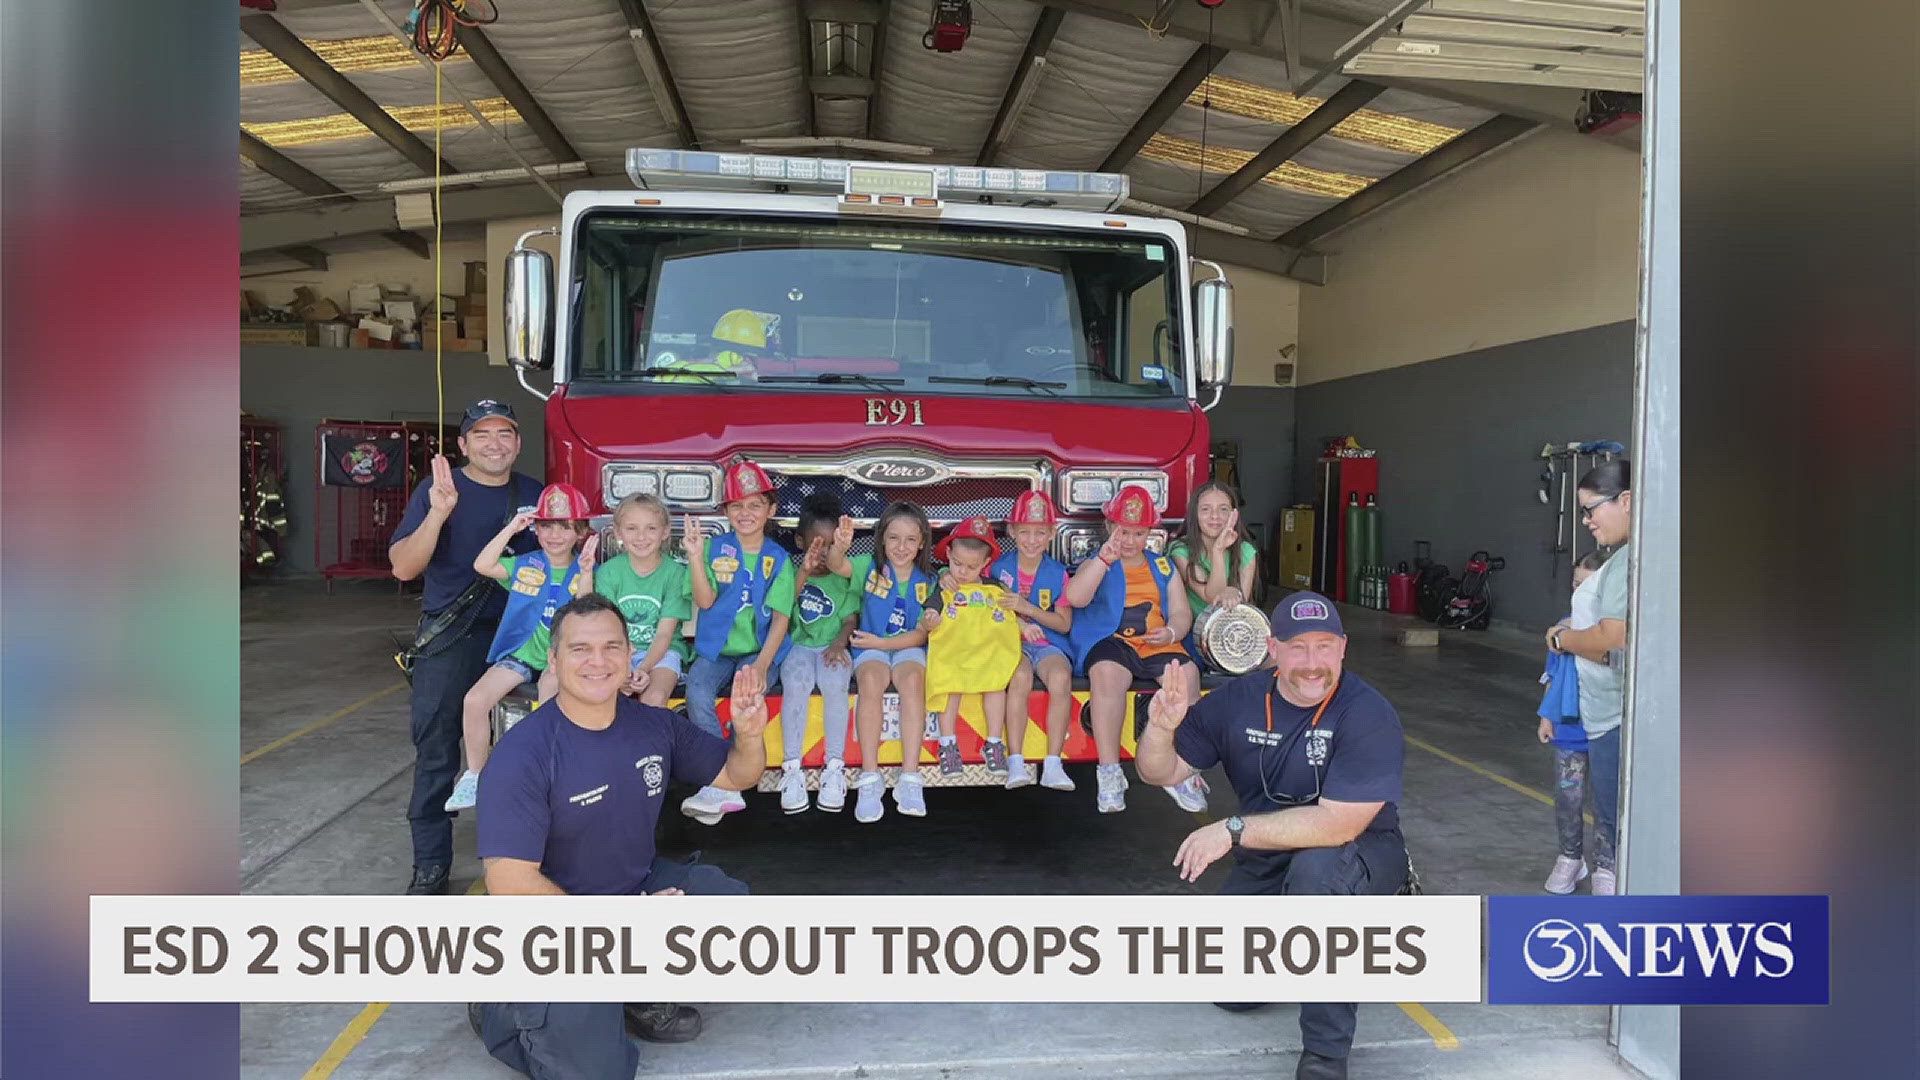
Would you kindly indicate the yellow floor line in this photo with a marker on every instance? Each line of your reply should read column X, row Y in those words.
column 320, row 723
column 357, row 1028
column 1479, row 770
column 1442, row 1038
column 344, row 1042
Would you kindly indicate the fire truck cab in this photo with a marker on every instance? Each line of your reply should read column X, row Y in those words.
column 947, row 335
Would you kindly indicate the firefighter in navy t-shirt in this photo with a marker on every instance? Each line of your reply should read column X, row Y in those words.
column 1314, row 756
column 568, row 805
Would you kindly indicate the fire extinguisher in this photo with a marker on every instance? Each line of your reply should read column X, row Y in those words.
column 952, row 22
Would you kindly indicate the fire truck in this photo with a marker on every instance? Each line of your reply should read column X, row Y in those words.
column 947, row 335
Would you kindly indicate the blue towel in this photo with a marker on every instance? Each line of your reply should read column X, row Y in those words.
column 1561, row 702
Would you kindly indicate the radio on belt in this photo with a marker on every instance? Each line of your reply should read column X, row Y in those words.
column 870, row 187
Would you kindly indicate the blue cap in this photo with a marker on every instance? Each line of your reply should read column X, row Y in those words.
column 1305, row 613
column 485, row 409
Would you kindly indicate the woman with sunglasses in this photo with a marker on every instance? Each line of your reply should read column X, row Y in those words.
column 1314, row 756
column 1606, row 506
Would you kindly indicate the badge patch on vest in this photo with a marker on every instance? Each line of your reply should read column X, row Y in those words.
column 1045, row 600
column 920, row 592
column 531, row 576
column 1160, row 563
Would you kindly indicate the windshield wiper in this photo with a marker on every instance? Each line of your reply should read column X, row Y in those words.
column 659, row 371
column 1001, row 380
column 834, row 377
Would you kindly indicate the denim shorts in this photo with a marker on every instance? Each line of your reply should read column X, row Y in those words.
column 891, row 657
column 526, row 671
column 670, row 662
column 1037, row 653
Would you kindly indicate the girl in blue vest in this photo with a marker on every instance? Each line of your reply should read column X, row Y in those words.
column 1131, row 619
column 742, row 585
column 1038, row 582
column 889, row 649
column 537, row 583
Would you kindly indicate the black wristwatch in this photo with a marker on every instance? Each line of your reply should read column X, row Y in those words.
column 1235, row 826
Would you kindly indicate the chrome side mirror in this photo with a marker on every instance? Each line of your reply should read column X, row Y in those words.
column 1213, row 328
column 529, row 305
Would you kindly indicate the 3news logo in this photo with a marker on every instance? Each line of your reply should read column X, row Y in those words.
column 1657, row 950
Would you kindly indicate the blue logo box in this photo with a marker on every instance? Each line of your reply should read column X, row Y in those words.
column 1657, row 950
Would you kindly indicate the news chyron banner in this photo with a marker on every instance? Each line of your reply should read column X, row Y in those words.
column 784, row 948
column 1657, row 950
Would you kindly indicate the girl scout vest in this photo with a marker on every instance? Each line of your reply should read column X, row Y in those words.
column 1099, row 619
column 532, row 597
column 884, row 614
column 737, row 585
column 1049, row 581
column 976, row 647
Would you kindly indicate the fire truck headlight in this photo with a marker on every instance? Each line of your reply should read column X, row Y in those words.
column 619, row 481
column 691, row 486
column 1089, row 492
column 1089, row 489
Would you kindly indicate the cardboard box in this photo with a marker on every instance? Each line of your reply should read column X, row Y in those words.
column 1296, row 547
column 363, row 297
column 476, row 279
column 377, row 329
column 399, row 312
column 275, row 334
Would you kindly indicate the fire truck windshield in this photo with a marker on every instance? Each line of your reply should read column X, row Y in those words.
column 840, row 305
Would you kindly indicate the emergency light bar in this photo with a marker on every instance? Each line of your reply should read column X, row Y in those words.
column 700, row 170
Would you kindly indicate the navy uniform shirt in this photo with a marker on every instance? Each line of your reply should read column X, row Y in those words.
column 481, row 511
column 1360, row 751
column 583, row 804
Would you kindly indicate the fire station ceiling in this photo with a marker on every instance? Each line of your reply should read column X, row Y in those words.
column 1200, row 109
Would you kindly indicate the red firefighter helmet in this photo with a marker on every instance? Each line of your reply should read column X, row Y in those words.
column 1132, row 505
column 745, row 478
column 975, row 528
column 1033, row 508
column 562, row 502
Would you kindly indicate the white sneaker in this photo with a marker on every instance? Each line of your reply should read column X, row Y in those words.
column 708, row 805
column 1190, row 794
column 1112, row 796
column 869, row 808
column 466, row 791
column 1017, row 774
column 793, row 788
column 1054, row 775
column 833, row 786
column 910, row 795
column 1567, row 872
column 1602, row 883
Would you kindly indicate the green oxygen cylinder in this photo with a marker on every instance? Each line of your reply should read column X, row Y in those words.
column 1371, row 530
column 1355, row 550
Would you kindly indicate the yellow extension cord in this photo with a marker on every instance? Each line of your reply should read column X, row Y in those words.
column 439, row 339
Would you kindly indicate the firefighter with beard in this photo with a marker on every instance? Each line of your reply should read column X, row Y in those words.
column 1314, row 756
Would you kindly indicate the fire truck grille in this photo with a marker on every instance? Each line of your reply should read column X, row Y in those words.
column 945, row 502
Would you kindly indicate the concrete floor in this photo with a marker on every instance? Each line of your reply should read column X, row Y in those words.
column 327, row 769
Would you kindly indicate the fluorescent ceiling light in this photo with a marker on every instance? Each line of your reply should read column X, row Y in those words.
column 1591, row 13
column 1226, row 159
column 280, row 133
column 487, row 176
column 1370, row 127
column 1155, row 210
column 1488, row 71
column 344, row 54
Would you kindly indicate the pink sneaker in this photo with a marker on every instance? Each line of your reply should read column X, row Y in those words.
column 1603, row 883
column 1567, row 873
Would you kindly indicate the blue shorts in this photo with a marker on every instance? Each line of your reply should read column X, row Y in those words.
column 1036, row 653
column 891, row 657
column 670, row 662
column 526, row 671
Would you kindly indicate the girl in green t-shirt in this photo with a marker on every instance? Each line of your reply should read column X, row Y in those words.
column 653, row 593
column 1213, row 539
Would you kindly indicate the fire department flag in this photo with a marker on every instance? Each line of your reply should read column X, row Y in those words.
column 356, row 461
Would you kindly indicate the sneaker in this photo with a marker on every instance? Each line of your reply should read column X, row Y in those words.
column 950, row 758
column 1602, row 882
column 428, row 881
column 995, row 755
column 793, row 789
column 1054, row 775
column 1017, row 774
column 1190, row 794
column 708, row 805
column 833, row 787
column 1567, row 872
column 466, row 792
column 910, row 795
column 1112, row 797
column 869, row 807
